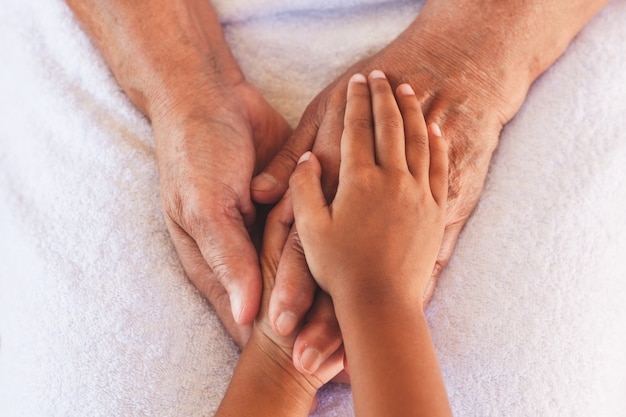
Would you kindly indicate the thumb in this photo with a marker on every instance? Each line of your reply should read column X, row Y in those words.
column 307, row 195
column 273, row 181
column 230, row 253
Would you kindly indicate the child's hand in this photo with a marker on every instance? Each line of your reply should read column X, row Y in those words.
column 266, row 382
column 381, row 234
column 280, row 349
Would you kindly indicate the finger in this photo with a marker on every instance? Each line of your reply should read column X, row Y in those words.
column 279, row 223
column 270, row 129
column 218, row 297
column 388, row 126
column 294, row 289
column 204, row 280
column 271, row 184
column 415, row 133
column 319, row 338
column 327, row 147
column 309, row 205
column 287, row 282
column 357, row 140
column 438, row 164
column 228, row 250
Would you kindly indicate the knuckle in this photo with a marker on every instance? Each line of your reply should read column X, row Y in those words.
column 360, row 122
column 193, row 209
column 174, row 207
column 439, row 172
column 390, row 121
column 418, row 138
column 363, row 179
column 220, row 264
column 336, row 101
column 287, row 158
column 207, row 212
column 299, row 177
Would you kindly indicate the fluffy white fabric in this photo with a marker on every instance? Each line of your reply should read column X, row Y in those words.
column 97, row 318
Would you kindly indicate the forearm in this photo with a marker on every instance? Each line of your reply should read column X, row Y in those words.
column 391, row 358
column 504, row 44
column 153, row 46
column 265, row 383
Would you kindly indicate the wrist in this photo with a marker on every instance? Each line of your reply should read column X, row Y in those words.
column 190, row 83
column 365, row 297
column 266, row 381
column 276, row 365
column 160, row 51
column 361, row 316
column 500, row 48
column 470, row 54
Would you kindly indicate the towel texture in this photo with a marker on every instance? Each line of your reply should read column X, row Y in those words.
column 97, row 318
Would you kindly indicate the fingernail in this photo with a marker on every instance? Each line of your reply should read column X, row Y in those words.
column 286, row 323
column 377, row 74
column 264, row 182
column 406, row 90
column 358, row 78
column 435, row 129
column 310, row 360
column 305, row 157
column 236, row 305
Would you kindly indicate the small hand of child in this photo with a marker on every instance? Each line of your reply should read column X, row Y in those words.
column 381, row 234
column 266, row 380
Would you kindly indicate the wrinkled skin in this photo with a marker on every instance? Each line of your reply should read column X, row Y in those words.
column 471, row 63
column 471, row 68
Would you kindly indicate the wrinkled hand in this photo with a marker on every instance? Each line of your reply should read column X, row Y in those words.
column 208, row 150
column 457, row 88
column 212, row 130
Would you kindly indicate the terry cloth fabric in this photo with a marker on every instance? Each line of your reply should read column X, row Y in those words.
column 97, row 318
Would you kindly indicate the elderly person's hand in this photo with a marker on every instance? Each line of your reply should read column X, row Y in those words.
column 212, row 129
column 471, row 64
column 207, row 154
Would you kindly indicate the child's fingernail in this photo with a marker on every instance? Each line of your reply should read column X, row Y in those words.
column 435, row 129
column 286, row 323
column 406, row 90
column 311, row 360
column 377, row 74
column 305, row 157
column 358, row 78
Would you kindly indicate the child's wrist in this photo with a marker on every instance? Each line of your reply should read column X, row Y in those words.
column 266, row 383
column 364, row 294
column 277, row 366
column 358, row 307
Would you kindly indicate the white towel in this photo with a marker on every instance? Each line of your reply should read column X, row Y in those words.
column 97, row 318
